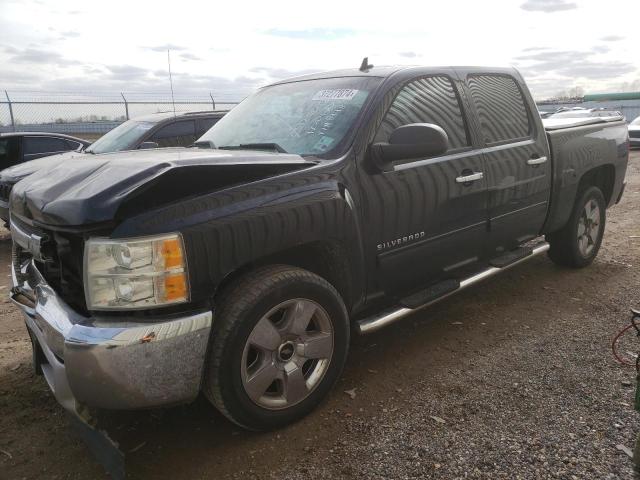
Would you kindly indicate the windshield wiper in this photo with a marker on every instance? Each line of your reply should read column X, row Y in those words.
column 254, row 146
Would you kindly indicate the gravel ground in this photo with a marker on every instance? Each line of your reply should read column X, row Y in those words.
column 511, row 379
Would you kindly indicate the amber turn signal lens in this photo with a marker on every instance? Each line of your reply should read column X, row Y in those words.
column 175, row 287
column 171, row 251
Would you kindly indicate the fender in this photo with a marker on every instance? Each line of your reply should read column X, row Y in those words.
column 229, row 229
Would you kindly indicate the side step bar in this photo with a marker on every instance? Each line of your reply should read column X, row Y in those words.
column 387, row 317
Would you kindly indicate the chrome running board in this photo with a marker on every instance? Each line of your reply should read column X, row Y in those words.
column 387, row 317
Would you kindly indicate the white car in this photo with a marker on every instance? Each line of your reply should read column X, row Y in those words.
column 634, row 133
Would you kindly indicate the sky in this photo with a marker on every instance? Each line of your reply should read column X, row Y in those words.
column 231, row 48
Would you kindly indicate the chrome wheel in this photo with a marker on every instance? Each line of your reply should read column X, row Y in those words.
column 287, row 354
column 588, row 228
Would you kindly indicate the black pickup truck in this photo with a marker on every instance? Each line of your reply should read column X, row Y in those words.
column 320, row 207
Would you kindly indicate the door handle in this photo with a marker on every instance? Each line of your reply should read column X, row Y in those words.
column 470, row 178
column 536, row 161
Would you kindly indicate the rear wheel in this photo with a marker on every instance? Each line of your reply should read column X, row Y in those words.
column 280, row 344
column 578, row 242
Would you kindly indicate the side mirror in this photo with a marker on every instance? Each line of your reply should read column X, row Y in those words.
column 410, row 142
column 145, row 145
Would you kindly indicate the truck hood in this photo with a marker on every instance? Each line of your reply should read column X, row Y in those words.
column 102, row 188
column 18, row 172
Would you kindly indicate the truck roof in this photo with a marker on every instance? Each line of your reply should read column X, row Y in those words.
column 388, row 70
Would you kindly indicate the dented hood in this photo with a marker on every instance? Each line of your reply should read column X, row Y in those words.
column 18, row 172
column 92, row 189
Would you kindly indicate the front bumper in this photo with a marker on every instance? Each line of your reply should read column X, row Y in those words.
column 107, row 363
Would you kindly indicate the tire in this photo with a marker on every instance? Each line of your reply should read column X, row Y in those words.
column 577, row 244
column 276, row 323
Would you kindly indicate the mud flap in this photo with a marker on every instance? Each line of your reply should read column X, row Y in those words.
column 104, row 450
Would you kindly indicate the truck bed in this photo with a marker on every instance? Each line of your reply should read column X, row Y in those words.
column 578, row 145
column 562, row 123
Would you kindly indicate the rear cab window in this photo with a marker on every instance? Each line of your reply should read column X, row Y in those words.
column 501, row 108
column 432, row 99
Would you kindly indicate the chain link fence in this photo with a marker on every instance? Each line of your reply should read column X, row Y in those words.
column 90, row 116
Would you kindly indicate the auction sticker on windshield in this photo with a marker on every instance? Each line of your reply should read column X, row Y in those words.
column 337, row 94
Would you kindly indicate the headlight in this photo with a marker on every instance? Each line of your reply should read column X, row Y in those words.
column 135, row 273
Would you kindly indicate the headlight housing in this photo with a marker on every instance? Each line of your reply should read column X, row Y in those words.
column 127, row 274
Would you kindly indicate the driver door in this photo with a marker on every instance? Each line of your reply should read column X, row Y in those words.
column 425, row 222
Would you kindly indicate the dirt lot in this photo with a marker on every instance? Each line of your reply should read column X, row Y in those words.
column 511, row 379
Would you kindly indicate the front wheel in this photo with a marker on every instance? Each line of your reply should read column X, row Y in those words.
column 279, row 345
column 578, row 242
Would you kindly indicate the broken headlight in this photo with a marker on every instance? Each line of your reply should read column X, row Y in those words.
column 135, row 273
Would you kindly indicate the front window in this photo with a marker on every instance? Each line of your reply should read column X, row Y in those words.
column 311, row 117
column 121, row 137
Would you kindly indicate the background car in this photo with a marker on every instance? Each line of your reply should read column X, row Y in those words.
column 157, row 130
column 21, row 147
column 165, row 129
column 634, row 133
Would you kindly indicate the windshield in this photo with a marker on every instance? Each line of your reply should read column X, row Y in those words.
column 307, row 117
column 121, row 137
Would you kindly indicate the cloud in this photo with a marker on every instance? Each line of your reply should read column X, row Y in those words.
column 409, row 54
column 548, row 6
column 312, row 33
column 126, row 73
column 69, row 34
column 10, row 49
column 573, row 63
column 164, row 48
column 38, row 56
column 189, row 56
column 549, row 71
column 612, row 38
column 275, row 73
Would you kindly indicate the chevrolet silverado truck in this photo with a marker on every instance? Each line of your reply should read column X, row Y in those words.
column 320, row 207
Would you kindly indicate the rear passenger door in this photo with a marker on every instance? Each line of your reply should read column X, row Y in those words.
column 517, row 170
column 425, row 222
column 177, row 134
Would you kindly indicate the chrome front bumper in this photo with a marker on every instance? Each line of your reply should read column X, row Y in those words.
column 107, row 363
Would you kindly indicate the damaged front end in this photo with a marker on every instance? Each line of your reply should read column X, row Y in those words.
column 105, row 363
column 105, row 188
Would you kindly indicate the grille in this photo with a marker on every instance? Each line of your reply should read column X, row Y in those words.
column 634, row 134
column 63, row 268
column 5, row 190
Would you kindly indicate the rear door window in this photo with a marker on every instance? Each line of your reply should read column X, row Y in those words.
column 74, row 145
column 9, row 154
column 205, row 124
column 176, row 134
column 39, row 145
column 427, row 100
column 500, row 107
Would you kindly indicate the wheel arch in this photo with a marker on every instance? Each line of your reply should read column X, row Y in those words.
column 566, row 194
column 603, row 177
column 328, row 259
